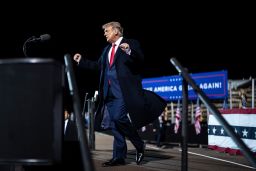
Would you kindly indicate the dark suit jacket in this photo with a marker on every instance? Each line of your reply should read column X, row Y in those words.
column 143, row 106
column 71, row 131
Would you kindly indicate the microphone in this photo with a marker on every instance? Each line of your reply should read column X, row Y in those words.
column 42, row 38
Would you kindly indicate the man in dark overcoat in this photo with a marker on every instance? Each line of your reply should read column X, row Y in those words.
column 124, row 106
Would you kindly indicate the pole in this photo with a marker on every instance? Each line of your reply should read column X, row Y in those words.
column 184, row 133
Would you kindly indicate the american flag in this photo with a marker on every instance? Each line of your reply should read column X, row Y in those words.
column 197, row 119
column 177, row 119
column 225, row 105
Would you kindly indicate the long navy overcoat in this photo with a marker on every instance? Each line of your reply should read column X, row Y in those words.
column 143, row 106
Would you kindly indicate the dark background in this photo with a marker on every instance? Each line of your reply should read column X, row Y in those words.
column 203, row 37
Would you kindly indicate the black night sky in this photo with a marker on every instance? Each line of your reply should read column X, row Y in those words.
column 203, row 37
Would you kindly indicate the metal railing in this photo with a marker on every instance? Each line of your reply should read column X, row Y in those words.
column 88, row 116
column 188, row 80
column 84, row 148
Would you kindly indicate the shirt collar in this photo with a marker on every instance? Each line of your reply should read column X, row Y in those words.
column 117, row 43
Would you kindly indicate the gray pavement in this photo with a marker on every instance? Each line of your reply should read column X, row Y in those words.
column 156, row 159
column 168, row 158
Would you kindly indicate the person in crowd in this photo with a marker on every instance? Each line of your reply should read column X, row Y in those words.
column 70, row 131
column 124, row 106
column 161, row 128
column 243, row 99
column 71, row 157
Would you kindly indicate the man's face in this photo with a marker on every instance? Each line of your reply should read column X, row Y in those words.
column 110, row 34
column 66, row 114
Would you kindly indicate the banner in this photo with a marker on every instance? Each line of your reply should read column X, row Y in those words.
column 213, row 84
column 244, row 123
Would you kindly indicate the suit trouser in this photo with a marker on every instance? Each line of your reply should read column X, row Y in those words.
column 121, row 127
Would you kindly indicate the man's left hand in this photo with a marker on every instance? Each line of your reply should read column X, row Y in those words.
column 126, row 48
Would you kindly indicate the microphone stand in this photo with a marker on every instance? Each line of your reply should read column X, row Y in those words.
column 25, row 45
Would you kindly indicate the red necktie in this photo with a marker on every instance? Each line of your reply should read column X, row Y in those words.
column 112, row 54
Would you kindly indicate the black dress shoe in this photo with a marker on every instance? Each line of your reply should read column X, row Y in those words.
column 140, row 155
column 114, row 162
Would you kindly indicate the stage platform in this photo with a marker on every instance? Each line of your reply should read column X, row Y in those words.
column 167, row 158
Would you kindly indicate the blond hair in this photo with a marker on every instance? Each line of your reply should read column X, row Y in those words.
column 114, row 25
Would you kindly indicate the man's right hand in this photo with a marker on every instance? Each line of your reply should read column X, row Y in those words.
column 77, row 57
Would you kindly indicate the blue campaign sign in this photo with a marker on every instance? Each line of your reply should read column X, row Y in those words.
column 213, row 84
